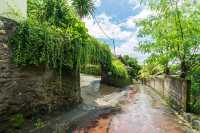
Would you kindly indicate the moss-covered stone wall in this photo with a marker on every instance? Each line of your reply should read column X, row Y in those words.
column 32, row 89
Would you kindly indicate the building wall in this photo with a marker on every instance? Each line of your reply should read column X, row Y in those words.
column 13, row 9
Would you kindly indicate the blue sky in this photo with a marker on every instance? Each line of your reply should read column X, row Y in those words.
column 117, row 18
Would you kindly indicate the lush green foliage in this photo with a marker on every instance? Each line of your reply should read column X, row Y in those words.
column 118, row 74
column 133, row 66
column 54, row 35
column 194, row 76
column 91, row 70
column 118, row 69
column 172, row 38
column 83, row 7
column 98, row 52
column 150, row 70
column 171, row 35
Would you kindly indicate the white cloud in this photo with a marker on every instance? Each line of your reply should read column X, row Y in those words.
column 97, row 3
column 130, row 24
column 111, row 29
column 130, row 48
column 135, row 3
column 117, row 32
column 143, row 14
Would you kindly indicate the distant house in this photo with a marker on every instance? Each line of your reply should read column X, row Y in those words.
column 13, row 9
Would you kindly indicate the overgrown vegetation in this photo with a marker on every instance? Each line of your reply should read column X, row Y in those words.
column 118, row 74
column 133, row 66
column 91, row 69
column 118, row 69
column 17, row 120
column 54, row 35
column 172, row 38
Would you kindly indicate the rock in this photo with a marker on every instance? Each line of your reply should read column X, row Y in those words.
column 196, row 124
column 188, row 117
column 189, row 130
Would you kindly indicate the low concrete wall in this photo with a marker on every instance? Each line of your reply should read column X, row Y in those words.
column 174, row 89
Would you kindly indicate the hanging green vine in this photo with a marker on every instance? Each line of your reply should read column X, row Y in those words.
column 53, row 35
column 63, row 42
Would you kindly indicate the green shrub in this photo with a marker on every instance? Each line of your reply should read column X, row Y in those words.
column 17, row 120
column 91, row 70
column 133, row 66
column 118, row 69
column 118, row 74
column 39, row 123
column 58, row 39
column 195, row 108
column 195, row 93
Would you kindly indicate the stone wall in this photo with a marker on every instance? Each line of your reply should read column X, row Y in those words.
column 174, row 89
column 32, row 89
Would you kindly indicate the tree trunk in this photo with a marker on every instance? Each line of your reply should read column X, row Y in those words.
column 167, row 70
column 184, row 69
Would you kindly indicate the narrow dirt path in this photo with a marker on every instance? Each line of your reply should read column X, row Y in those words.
column 105, row 109
column 146, row 114
column 142, row 112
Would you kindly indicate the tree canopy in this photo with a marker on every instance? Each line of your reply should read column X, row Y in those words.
column 171, row 36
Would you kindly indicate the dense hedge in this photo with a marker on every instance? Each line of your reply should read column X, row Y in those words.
column 117, row 74
column 54, row 35
column 133, row 66
column 91, row 70
column 194, row 76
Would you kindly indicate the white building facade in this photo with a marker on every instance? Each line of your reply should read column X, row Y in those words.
column 14, row 9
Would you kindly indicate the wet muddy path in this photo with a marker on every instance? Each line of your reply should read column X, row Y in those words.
column 142, row 111
column 105, row 109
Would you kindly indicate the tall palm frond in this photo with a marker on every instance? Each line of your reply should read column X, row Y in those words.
column 84, row 7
